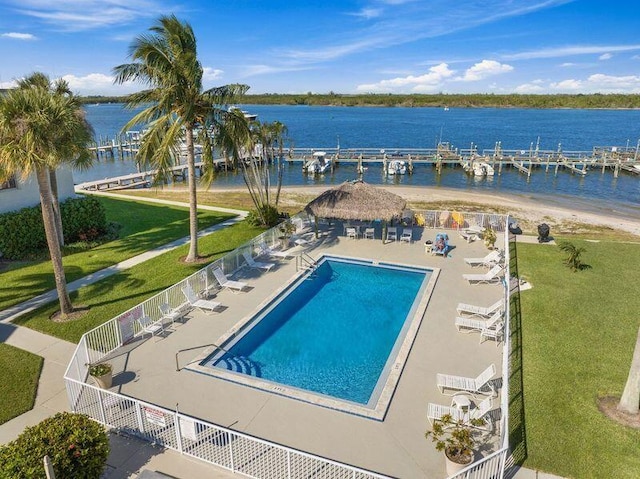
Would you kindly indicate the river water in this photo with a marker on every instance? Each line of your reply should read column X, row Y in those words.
column 396, row 128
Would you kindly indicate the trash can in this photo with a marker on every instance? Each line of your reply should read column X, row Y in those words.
column 543, row 233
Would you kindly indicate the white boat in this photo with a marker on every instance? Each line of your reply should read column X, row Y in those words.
column 397, row 167
column 488, row 169
column 478, row 169
column 248, row 116
column 318, row 164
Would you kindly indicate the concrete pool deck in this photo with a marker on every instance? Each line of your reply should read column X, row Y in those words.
column 396, row 446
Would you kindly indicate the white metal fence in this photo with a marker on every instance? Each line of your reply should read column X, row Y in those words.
column 229, row 449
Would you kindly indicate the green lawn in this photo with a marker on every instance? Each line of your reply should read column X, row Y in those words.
column 20, row 374
column 578, row 334
column 144, row 226
column 114, row 295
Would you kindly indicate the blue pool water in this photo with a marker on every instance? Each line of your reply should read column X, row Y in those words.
column 331, row 333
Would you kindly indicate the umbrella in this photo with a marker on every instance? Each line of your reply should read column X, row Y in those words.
column 458, row 218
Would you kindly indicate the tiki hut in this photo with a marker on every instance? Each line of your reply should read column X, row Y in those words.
column 356, row 200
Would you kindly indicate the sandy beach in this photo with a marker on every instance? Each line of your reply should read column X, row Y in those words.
column 562, row 214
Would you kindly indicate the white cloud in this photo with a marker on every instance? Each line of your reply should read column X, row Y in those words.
column 485, row 69
column 568, row 64
column 567, row 85
column 210, row 74
column 615, row 84
column 77, row 15
column 430, row 81
column 19, row 36
column 368, row 13
column 529, row 88
column 99, row 84
column 605, row 56
column 8, row 84
column 569, row 51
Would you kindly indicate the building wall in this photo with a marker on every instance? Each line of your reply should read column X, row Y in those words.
column 26, row 193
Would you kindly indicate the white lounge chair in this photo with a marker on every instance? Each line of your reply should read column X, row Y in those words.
column 195, row 302
column 171, row 314
column 352, row 232
column 256, row 264
column 491, row 276
column 149, row 326
column 369, row 233
column 490, row 260
column 234, row 286
column 273, row 252
column 488, row 328
column 407, row 235
column 392, row 233
column 480, row 311
column 435, row 412
column 479, row 385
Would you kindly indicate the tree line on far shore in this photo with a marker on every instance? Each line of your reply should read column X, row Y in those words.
column 440, row 100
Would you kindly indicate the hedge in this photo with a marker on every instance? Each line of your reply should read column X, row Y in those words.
column 77, row 446
column 22, row 232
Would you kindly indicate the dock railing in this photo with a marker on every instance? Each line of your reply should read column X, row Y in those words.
column 220, row 446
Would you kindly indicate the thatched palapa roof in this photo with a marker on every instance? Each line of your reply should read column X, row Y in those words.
column 357, row 200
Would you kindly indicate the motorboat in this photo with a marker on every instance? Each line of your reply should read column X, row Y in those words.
column 248, row 116
column 397, row 167
column 318, row 164
column 482, row 168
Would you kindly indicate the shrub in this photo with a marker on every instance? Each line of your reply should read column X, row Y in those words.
column 77, row 446
column 573, row 261
column 22, row 232
column 267, row 217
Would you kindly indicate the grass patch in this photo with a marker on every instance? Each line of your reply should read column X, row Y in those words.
column 19, row 385
column 116, row 294
column 144, row 226
column 578, row 332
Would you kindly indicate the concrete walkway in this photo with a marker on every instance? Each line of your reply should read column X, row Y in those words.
column 129, row 456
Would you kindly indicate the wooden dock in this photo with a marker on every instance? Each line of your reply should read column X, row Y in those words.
column 614, row 158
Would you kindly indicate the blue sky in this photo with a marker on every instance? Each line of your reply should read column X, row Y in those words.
column 377, row 46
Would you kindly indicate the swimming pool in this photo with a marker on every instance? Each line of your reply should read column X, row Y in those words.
column 333, row 337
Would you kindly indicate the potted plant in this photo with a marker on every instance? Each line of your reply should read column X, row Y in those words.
column 456, row 439
column 102, row 373
column 286, row 228
column 489, row 237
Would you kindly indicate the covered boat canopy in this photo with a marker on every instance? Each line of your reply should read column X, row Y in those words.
column 357, row 200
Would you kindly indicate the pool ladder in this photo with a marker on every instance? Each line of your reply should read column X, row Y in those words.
column 304, row 262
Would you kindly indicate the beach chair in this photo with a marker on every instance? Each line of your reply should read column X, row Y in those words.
column 171, row 314
column 274, row 253
column 435, row 412
column 480, row 311
column 491, row 259
column 352, row 232
column 256, row 264
column 203, row 305
column 488, row 328
column 369, row 233
column 478, row 385
column 491, row 276
column 407, row 235
column 392, row 233
column 233, row 286
column 149, row 326
column 441, row 245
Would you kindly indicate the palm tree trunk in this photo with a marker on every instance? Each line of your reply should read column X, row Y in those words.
column 52, row 240
column 630, row 400
column 53, row 181
column 193, row 201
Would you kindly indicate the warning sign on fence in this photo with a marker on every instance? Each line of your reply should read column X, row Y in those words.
column 154, row 416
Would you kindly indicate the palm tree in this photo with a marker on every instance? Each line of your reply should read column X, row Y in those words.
column 573, row 261
column 40, row 129
column 59, row 87
column 166, row 61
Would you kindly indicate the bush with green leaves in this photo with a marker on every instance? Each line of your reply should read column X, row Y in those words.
column 268, row 217
column 77, row 446
column 22, row 232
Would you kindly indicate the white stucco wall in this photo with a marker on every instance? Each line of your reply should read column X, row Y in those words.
column 26, row 194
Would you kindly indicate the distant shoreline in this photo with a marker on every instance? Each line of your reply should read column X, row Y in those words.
column 480, row 100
